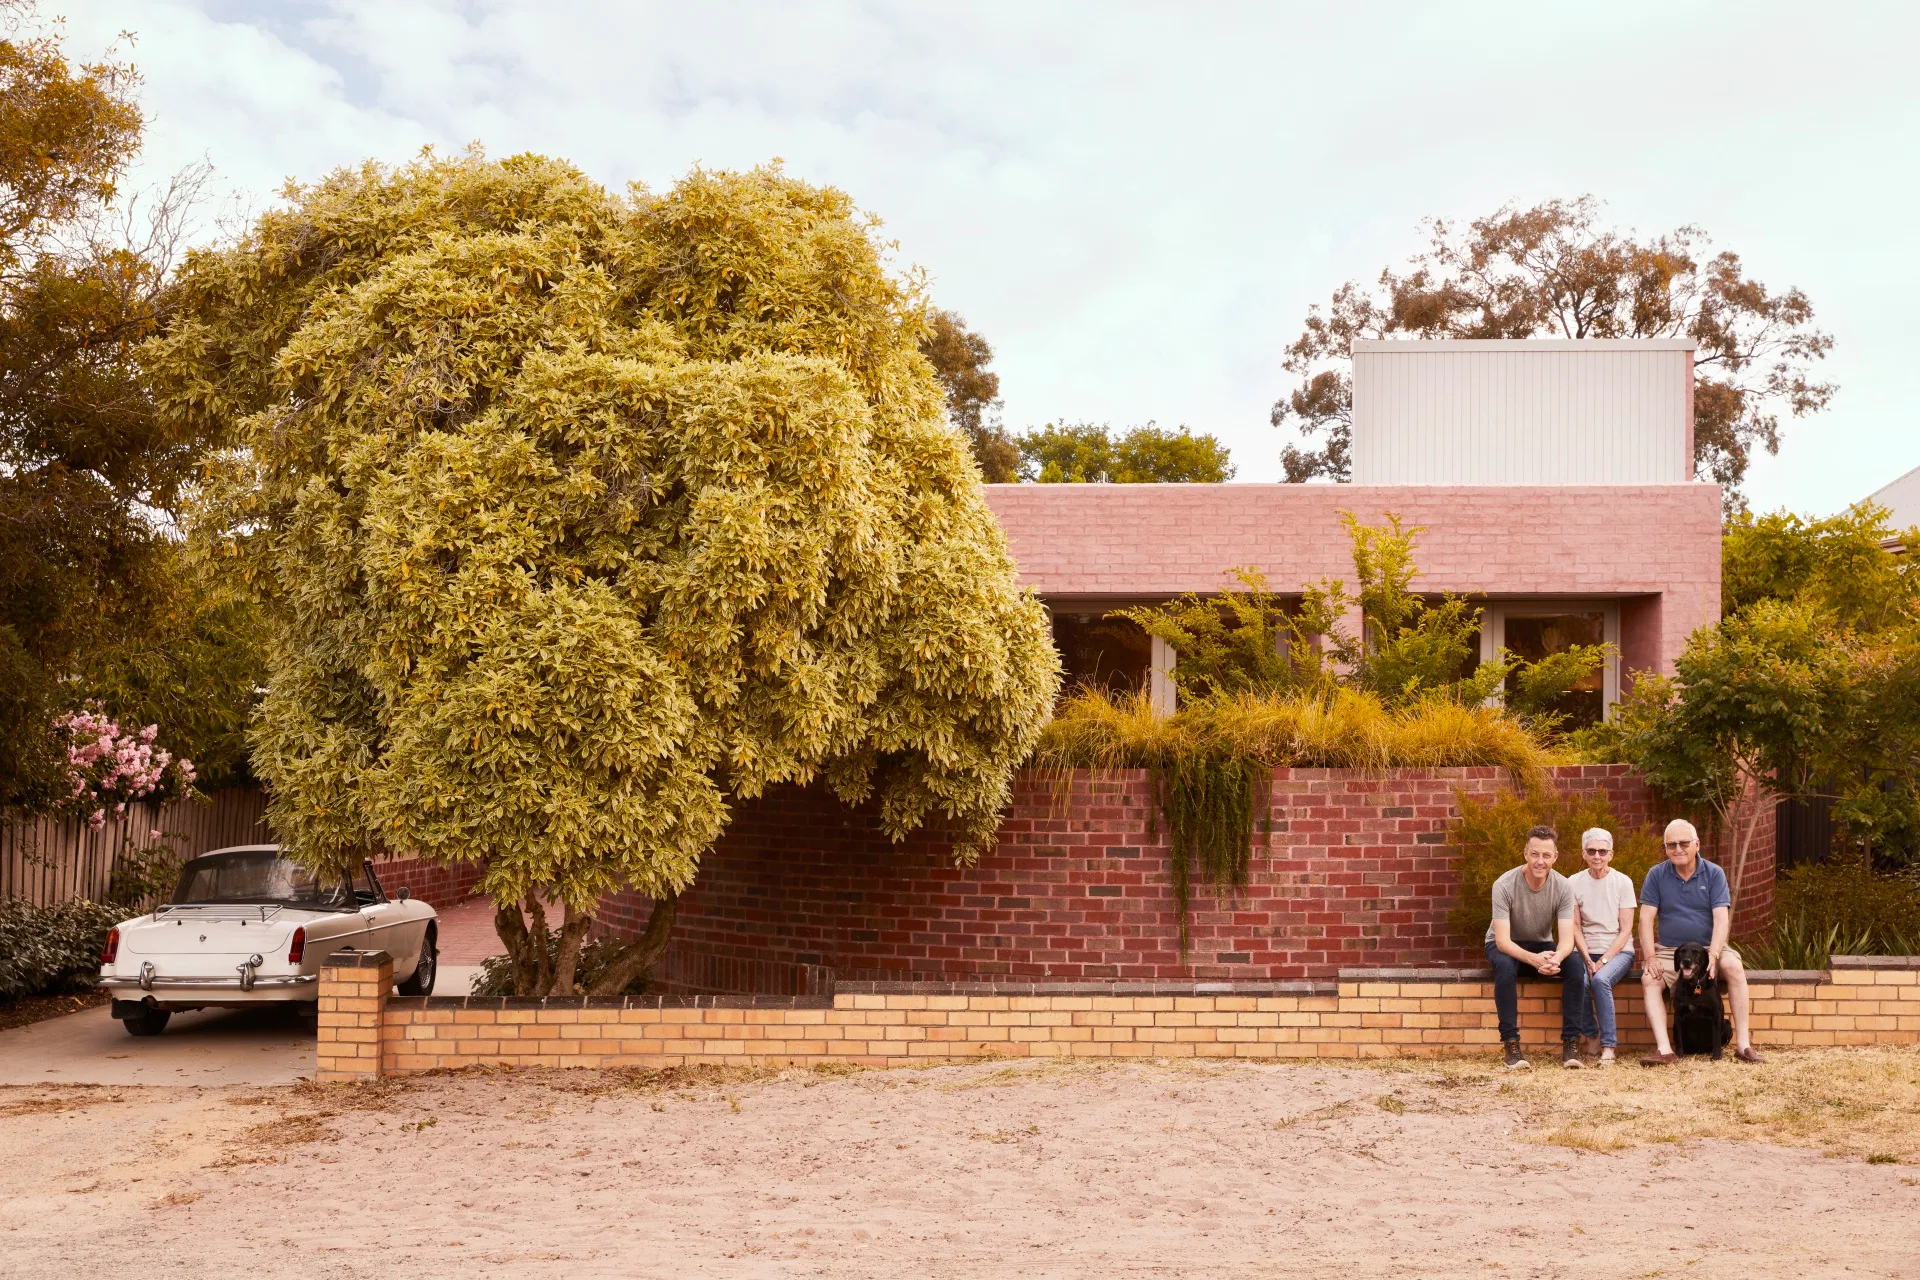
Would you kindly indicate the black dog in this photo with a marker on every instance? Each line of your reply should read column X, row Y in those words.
column 1699, row 1020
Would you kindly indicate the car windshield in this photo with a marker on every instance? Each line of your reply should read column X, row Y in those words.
column 259, row 875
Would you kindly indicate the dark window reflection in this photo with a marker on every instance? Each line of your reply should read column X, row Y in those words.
column 1112, row 653
column 1535, row 636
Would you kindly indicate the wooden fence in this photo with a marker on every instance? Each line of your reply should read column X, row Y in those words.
column 50, row 861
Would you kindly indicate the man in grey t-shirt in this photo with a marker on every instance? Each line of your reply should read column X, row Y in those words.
column 1530, row 903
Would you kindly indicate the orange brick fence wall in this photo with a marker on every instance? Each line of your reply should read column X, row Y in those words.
column 366, row 1032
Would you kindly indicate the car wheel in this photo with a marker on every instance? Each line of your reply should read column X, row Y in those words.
column 148, row 1022
column 421, row 983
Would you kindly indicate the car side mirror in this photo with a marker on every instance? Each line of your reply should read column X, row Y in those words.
column 401, row 893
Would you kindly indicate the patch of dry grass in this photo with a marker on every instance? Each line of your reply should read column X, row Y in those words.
column 69, row 1098
column 1851, row 1103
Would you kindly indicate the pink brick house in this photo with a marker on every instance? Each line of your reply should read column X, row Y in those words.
column 1553, row 481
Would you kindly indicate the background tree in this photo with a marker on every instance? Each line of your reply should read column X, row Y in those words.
column 1554, row 271
column 90, row 478
column 959, row 358
column 1806, row 688
column 1081, row 452
column 575, row 518
column 1840, row 564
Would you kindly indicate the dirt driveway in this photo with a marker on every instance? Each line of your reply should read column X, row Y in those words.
column 1045, row 1170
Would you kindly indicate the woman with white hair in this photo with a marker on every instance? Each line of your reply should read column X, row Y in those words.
column 1603, row 935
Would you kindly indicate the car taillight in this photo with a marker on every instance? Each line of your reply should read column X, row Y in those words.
column 299, row 947
column 112, row 949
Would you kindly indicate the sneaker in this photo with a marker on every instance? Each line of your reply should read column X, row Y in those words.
column 1516, row 1061
column 1606, row 1056
column 1570, row 1055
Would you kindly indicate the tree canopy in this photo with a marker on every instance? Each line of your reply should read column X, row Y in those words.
column 575, row 517
column 1555, row 270
column 1083, row 452
column 90, row 477
column 960, row 358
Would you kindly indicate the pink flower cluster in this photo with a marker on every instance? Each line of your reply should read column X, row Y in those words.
column 109, row 767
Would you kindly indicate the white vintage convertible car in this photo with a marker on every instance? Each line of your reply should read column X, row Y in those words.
column 248, row 926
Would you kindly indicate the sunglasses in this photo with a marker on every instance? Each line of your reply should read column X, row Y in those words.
column 1600, row 852
column 1679, row 844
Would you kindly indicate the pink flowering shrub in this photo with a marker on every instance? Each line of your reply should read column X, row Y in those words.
column 109, row 767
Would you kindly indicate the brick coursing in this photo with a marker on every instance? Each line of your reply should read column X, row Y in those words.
column 439, row 886
column 1355, row 872
column 1858, row 1003
column 1654, row 548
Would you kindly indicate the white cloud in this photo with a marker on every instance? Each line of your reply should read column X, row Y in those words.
column 1136, row 203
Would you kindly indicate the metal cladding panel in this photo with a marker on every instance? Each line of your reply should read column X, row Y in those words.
column 1469, row 412
column 1902, row 500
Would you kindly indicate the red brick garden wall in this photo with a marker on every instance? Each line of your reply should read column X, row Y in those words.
column 1355, row 873
column 436, row 885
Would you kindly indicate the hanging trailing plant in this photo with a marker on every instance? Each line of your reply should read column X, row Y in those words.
column 1210, row 800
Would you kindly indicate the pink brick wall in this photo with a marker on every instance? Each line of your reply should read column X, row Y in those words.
column 1356, row 873
column 1655, row 547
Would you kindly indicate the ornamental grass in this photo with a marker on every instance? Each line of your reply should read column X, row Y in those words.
column 1339, row 729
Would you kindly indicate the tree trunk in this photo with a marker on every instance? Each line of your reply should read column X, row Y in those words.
column 530, row 949
column 573, row 932
column 639, row 955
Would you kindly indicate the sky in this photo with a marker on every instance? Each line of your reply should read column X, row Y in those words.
column 1136, row 204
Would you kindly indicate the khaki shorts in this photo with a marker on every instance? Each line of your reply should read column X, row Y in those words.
column 1667, row 975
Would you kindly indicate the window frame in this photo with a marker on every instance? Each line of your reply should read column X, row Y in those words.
column 1493, row 631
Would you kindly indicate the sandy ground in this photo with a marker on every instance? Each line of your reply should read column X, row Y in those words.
column 987, row 1170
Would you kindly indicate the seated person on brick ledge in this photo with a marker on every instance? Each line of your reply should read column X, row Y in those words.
column 1682, row 900
column 1529, row 903
column 1603, row 936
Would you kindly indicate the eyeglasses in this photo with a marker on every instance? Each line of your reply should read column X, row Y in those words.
column 1679, row 844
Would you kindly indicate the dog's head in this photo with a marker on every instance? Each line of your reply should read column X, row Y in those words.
column 1690, row 965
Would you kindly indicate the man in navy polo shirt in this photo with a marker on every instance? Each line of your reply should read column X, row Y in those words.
column 1684, row 900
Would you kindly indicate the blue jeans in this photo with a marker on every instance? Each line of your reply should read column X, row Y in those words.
column 1601, row 986
column 1507, row 973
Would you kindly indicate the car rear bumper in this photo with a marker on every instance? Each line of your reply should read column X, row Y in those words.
column 204, row 991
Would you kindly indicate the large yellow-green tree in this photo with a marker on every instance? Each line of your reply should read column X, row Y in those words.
column 576, row 517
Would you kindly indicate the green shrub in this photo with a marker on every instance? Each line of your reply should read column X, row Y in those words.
column 143, row 877
column 1837, row 907
column 1489, row 834
column 596, row 954
column 48, row 950
column 1796, row 942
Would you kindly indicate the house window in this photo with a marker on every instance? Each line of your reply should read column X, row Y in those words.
column 1537, row 629
column 1095, row 650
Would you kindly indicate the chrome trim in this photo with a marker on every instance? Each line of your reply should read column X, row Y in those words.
column 148, row 982
column 247, row 969
column 227, row 911
column 146, row 975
